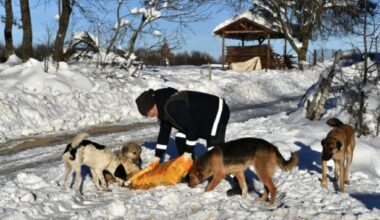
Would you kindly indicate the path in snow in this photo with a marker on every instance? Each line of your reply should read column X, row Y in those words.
column 238, row 114
column 149, row 131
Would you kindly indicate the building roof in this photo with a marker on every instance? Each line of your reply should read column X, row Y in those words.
column 247, row 26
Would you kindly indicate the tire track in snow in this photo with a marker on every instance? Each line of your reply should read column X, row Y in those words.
column 34, row 155
column 31, row 152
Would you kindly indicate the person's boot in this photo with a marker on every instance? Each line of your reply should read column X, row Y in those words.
column 235, row 190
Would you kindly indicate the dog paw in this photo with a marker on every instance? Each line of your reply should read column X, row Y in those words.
column 262, row 198
column 244, row 195
column 78, row 193
column 324, row 184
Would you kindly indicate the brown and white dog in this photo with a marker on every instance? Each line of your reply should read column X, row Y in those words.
column 234, row 157
column 84, row 152
column 130, row 158
column 338, row 145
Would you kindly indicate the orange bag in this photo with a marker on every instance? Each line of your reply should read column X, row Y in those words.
column 168, row 173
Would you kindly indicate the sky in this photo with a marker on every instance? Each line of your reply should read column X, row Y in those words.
column 199, row 39
column 264, row 104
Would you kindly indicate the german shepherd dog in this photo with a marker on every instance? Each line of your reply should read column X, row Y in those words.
column 235, row 157
column 84, row 152
column 338, row 145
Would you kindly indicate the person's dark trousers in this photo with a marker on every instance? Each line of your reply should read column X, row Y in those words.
column 220, row 136
column 180, row 143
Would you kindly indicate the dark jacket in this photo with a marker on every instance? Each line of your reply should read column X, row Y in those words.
column 192, row 113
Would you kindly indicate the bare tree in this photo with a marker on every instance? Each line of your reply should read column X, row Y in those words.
column 64, row 20
column 9, row 49
column 369, row 30
column 48, row 39
column 27, row 37
column 362, row 97
column 140, row 23
column 118, row 28
column 314, row 109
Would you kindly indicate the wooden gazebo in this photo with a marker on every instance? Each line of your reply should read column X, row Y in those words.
column 249, row 27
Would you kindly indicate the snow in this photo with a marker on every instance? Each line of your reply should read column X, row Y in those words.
column 157, row 33
column 152, row 14
column 250, row 16
column 134, row 10
column 121, row 23
column 263, row 104
column 77, row 36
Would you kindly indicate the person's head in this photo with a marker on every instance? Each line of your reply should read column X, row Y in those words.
column 146, row 104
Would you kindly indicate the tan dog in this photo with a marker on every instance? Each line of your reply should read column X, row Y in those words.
column 338, row 145
column 84, row 152
column 130, row 158
column 235, row 157
column 132, row 153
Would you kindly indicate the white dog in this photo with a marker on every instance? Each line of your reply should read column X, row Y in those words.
column 84, row 152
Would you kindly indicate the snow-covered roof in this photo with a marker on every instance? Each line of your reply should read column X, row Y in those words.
column 259, row 23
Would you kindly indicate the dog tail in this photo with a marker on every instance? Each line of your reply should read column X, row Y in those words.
column 334, row 122
column 286, row 165
column 75, row 142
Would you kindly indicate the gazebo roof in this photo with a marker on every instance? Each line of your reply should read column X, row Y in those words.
column 247, row 26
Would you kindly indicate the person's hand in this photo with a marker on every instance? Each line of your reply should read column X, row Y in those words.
column 156, row 159
column 187, row 156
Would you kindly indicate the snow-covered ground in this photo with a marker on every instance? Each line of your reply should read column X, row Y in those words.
column 78, row 95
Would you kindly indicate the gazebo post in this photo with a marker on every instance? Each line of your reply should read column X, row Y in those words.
column 268, row 53
column 223, row 59
column 284, row 56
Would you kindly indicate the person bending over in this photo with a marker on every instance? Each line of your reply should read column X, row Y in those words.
column 194, row 114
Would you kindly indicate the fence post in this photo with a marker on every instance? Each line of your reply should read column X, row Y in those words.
column 315, row 57
column 209, row 71
column 322, row 55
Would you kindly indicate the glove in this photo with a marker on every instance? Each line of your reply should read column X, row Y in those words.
column 156, row 159
column 168, row 173
column 187, row 156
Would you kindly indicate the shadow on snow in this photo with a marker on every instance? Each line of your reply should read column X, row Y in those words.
column 371, row 201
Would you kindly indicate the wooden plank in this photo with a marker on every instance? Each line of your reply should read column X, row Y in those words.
column 241, row 54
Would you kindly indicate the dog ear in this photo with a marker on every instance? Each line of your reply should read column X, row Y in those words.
column 120, row 172
column 323, row 142
column 73, row 152
column 338, row 145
